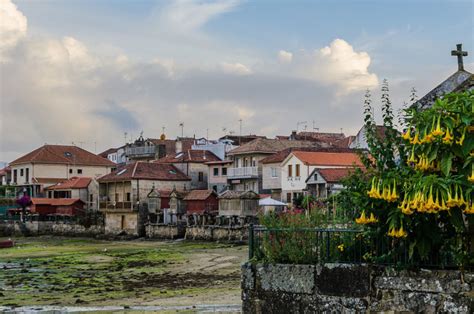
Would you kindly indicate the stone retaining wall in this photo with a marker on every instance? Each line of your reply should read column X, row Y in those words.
column 344, row 288
column 165, row 231
column 32, row 228
column 217, row 233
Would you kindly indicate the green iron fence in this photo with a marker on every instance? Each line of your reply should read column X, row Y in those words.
column 319, row 246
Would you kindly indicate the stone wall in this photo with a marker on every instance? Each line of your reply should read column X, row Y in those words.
column 33, row 228
column 344, row 288
column 165, row 231
column 217, row 233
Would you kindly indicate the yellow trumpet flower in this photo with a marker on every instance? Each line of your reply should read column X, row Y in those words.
column 407, row 135
column 372, row 219
column 463, row 136
column 448, row 138
column 438, row 131
column 416, row 139
column 471, row 177
column 362, row 220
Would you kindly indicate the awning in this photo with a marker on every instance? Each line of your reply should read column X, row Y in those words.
column 270, row 202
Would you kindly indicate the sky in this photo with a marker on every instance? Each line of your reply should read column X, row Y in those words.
column 87, row 72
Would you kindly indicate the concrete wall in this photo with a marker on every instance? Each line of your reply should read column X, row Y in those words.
column 340, row 288
column 34, row 228
column 269, row 181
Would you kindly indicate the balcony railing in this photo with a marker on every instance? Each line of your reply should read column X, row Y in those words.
column 140, row 151
column 242, row 172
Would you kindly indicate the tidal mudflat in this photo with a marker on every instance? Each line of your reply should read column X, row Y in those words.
column 76, row 272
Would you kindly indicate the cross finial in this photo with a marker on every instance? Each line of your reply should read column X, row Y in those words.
column 459, row 53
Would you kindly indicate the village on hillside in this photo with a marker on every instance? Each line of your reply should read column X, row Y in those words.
column 287, row 215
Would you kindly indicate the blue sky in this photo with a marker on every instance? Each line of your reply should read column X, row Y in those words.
column 270, row 63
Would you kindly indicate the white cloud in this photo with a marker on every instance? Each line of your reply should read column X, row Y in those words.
column 13, row 26
column 337, row 64
column 235, row 68
column 285, row 56
column 188, row 15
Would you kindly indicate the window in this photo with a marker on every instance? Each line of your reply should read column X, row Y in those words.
column 290, row 170
column 315, row 177
column 297, row 170
column 27, row 177
column 274, row 172
column 128, row 197
column 21, row 172
column 215, row 171
column 224, row 171
column 15, row 176
column 91, row 198
column 70, row 171
column 79, row 171
column 200, row 176
column 116, row 197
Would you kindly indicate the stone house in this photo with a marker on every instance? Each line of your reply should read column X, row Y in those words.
column 124, row 192
column 51, row 164
column 217, row 175
column 246, row 173
column 84, row 188
column 298, row 165
column 238, row 203
column 193, row 164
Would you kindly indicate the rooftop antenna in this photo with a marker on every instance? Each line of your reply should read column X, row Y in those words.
column 240, row 137
column 341, row 131
column 125, row 137
column 207, row 134
column 300, row 123
column 182, row 128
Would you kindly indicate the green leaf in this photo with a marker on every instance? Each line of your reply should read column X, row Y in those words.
column 446, row 163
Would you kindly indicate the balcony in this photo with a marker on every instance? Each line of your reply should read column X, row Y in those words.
column 242, row 173
column 108, row 206
column 140, row 151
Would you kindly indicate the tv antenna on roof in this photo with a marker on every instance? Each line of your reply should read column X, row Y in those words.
column 301, row 123
column 182, row 128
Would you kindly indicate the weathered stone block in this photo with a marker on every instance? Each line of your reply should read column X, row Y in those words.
column 343, row 280
column 288, row 278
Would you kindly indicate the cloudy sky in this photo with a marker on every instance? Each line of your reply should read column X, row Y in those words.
column 88, row 71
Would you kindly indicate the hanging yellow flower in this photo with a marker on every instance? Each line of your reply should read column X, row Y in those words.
column 340, row 247
column 438, row 131
column 362, row 220
column 448, row 138
column 471, row 177
column 463, row 136
column 407, row 135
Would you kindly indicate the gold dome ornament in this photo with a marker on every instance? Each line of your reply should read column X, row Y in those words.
column 163, row 137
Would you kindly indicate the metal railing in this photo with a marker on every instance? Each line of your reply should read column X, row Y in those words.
column 115, row 205
column 140, row 151
column 242, row 172
column 319, row 246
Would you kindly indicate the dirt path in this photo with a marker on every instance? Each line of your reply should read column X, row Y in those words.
column 84, row 272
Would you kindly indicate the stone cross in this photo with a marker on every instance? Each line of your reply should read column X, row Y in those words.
column 459, row 53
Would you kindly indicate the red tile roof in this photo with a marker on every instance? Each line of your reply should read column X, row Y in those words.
column 72, row 183
column 48, row 180
column 329, row 159
column 146, row 171
column 199, row 195
column 62, row 154
column 4, row 171
column 271, row 146
column 55, row 201
column 334, row 175
column 329, row 138
column 280, row 156
column 191, row 155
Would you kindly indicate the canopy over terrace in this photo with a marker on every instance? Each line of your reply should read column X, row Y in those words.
column 268, row 205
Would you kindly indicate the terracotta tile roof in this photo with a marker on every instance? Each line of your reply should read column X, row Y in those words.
column 238, row 194
column 191, row 155
column 269, row 146
column 48, row 180
column 4, row 171
column 199, row 195
column 146, row 171
column 72, row 183
column 334, row 175
column 328, row 159
column 329, row 138
column 345, row 142
column 280, row 156
column 56, row 201
column 219, row 162
column 62, row 154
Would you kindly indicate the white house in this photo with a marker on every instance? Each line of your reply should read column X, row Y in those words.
column 298, row 166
